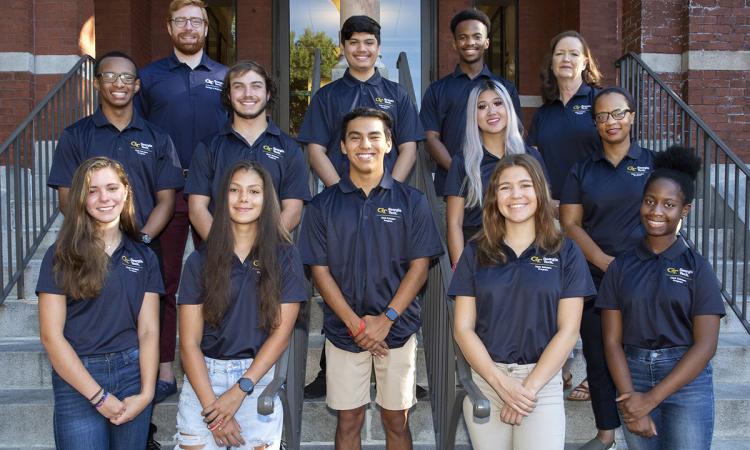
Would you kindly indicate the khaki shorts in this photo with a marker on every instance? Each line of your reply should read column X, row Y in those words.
column 348, row 377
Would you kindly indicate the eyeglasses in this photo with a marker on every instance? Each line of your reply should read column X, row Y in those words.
column 180, row 22
column 617, row 114
column 111, row 77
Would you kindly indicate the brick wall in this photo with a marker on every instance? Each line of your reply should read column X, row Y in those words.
column 254, row 35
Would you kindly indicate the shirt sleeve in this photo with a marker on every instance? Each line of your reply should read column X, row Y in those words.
column 409, row 126
column 201, row 173
column 65, row 161
column 314, row 129
column 295, row 184
column 293, row 284
column 571, row 192
column 190, row 282
column 538, row 156
column 429, row 114
column 154, row 281
column 462, row 282
column 608, row 297
column 533, row 137
column 46, row 282
column 313, row 245
column 513, row 92
column 424, row 240
column 707, row 294
column 455, row 178
column 169, row 171
column 140, row 102
column 576, row 278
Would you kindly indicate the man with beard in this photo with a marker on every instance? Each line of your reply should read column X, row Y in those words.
column 246, row 93
column 443, row 111
column 180, row 94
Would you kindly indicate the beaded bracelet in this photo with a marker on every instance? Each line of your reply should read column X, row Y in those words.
column 91, row 400
column 101, row 400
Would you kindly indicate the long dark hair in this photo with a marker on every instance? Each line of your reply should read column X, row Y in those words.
column 81, row 263
column 490, row 241
column 591, row 74
column 217, row 267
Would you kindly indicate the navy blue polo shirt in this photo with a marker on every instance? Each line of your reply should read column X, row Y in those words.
column 185, row 102
column 109, row 322
column 322, row 123
column 239, row 335
column 517, row 301
column 659, row 295
column 454, row 183
column 565, row 134
column 368, row 242
column 145, row 151
column 611, row 197
column 444, row 110
column 274, row 150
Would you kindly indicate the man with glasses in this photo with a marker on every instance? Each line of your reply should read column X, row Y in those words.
column 116, row 131
column 181, row 94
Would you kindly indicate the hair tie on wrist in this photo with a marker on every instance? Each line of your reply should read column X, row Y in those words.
column 362, row 325
column 101, row 400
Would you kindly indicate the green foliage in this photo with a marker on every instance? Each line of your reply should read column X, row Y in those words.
column 301, row 59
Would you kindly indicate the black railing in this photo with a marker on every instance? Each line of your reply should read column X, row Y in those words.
column 27, row 207
column 718, row 223
column 442, row 356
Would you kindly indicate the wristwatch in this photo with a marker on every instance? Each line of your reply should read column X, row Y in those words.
column 146, row 239
column 246, row 385
column 391, row 314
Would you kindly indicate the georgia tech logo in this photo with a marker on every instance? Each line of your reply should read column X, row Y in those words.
column 384, row 103
column 273, row 152
column 544, row 263
column 132, row 264
column 389, row 215
column 215, row 85
column 255, row 265
column 581, row 109
column 637, row 171
column 679, row 275
column 141, row 148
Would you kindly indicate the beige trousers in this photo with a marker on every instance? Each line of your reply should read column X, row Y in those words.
column 543, row 429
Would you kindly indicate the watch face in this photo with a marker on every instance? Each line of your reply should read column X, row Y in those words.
column 391, row 314
column 246, row 385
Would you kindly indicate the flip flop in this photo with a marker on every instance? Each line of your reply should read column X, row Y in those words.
column 567, row 381
column 580, row 393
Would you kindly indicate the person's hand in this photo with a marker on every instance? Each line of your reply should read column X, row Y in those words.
column 372, row 338
column 510, row 416
column 112, row 408
column 221, row 411
column 516, row 395
column 228, row 434
column 134, row 405
column 634, row 405
column 644, row 427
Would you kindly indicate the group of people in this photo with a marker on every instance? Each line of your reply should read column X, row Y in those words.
column 187, row 143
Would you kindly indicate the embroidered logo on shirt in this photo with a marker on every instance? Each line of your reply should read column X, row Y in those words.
column 581, row 109
column 273, row 152
column 389, row 215
column 215, row 85
column 679, row 275
column 637, row 171
column 132, row 264
column 141, row 147
column 384, row 103
column 544, row 263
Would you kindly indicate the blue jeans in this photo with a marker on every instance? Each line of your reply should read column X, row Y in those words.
column 79, row 426
column 685, row 419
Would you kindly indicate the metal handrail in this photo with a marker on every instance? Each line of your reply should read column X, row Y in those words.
column 442, row 355
column 28, row 208
column 718, row 222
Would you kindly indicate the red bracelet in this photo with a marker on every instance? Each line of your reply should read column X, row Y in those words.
column 361, row 328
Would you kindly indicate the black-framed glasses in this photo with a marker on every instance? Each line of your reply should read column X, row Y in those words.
column 617, row 114
column 111, row 77
column 180, row 22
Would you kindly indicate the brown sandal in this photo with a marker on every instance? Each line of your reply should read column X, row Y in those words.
column 580, row 393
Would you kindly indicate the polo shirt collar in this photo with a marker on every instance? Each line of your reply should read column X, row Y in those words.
column 634, row 152
column 347, row 187
column 457, row 72
column 205, row 63
column 584, row 90
column 351, row 81
column 271, row 128
column 100, row 120
column 674, row 250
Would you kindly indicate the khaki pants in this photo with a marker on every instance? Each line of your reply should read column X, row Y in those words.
column 543, row 429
